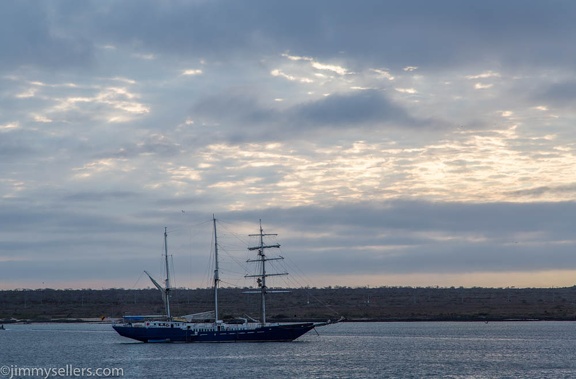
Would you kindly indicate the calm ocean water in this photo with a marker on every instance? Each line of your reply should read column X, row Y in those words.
column 346, row 350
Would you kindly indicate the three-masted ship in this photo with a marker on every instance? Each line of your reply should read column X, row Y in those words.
column 195, row 328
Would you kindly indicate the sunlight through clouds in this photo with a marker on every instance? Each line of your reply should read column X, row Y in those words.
column 360, row 131
column 102, row 166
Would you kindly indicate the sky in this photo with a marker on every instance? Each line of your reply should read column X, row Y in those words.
column 387, row 143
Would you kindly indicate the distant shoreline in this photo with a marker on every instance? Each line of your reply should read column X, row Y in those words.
column 384, row 304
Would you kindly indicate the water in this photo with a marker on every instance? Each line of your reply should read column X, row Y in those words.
column 346, row 350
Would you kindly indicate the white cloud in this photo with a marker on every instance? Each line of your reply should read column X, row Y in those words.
column 9, row 126
column 297, row 58
column 192, row 72
column 41, row 118
column 383, row 73
column 484, row 75
column 483, row 86
column 406, row 90
column 31, row 92
column 279, row 73
column 328, row 67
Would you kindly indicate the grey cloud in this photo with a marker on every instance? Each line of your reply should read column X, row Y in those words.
column 449, row 259
column 236, row 107
column 159, row 144
column 544, row 190
column 399, row 237
column 245, row 119
column 352, row 110
column 437, row 35
column 13, row 145
column 73, row 270
column 559, row 93
column 394, row 33
column 72, row 213
column 392, row 237
column 495, row 221
column 101, row 196
column 30, row 38
column 493, row 218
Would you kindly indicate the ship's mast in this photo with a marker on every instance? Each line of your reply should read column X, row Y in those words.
column 216, row 273
column 167, row 287
column 262, row 259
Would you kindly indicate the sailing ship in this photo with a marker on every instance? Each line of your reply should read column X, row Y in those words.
column 200, row 327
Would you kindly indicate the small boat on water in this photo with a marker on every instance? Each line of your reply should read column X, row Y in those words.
column 196, row 328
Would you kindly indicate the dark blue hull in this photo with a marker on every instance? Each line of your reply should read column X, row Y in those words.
column 272, row 333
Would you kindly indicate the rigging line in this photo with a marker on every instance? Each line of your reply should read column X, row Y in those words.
column 228, row 272
column 294, row 277
column 140, row 277
column 231, row 284
column 191, row 260
column 292, row 265
column 234, row 259
column 210, row 265
column 192, row 226
column 307, row 287
column 245, row 241
column 173, row 276
column 309, row 293
column 175, row 229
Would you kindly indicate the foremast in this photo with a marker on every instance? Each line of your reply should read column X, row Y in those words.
column 166, row 289
column 263, row 274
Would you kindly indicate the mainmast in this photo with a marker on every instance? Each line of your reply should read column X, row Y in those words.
column 216, row 273
column 262, row 259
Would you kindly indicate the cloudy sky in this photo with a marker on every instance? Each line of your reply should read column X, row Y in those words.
column 415, row 143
